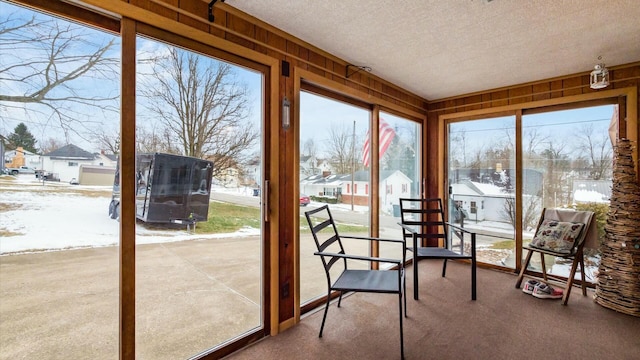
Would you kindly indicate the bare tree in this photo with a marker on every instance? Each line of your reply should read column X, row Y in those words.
column 532, row 140
column 309, row 148
column 340, row 148
column 531, row 209
column 50, row 69
column 202, row 108
column 50, row 145
column 555, row 189
column 154, row 140
column 597, row 149
column 108, row 140
column 458, row 147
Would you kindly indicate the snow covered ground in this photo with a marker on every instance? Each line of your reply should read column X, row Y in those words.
column 53, row 216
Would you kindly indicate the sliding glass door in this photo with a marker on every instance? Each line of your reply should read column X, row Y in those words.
column 332, row 136
column 481, row 185
column 565, row 161
column 60, row 115
column 399, row 175
column 199, row 261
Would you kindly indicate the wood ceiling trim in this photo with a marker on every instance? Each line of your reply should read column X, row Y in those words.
column 540, row 95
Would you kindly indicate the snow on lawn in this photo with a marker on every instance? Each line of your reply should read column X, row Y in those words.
column 57, row 216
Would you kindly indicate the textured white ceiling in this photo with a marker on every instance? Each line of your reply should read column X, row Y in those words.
column 444, row 48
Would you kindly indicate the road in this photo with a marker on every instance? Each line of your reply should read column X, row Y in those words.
column 388, row 223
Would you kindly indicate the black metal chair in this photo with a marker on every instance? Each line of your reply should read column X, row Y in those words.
column 422, row 221
column 331, row 251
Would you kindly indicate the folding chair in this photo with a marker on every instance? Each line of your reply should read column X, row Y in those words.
column 560, row 233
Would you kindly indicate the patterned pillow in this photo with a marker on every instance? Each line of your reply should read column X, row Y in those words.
column 557, row 236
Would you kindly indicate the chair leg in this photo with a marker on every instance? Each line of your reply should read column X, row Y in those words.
column 524, row 268
column 582, row 271
column 326, row 308
column 340, row 299
column 572, row 274
column 444, row 267
column 473, row 278
column 415, row 277
column 404, row 292
column 401, row 332
column 544, row 268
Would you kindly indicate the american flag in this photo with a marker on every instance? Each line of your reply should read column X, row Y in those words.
column 386, row 135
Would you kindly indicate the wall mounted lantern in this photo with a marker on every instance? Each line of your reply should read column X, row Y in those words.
column 286, row 114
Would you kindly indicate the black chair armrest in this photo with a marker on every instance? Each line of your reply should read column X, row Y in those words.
column 358, row 257
column 372, row 239
column 396, row 241
column 410, row 228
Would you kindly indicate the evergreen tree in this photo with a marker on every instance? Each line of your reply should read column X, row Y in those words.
column 22, row 137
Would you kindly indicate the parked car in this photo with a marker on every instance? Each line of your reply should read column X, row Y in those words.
column 304, row 200
column 47, row 176
column 21, row 170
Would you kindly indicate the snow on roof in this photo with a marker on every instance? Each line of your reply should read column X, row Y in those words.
column 489, row 189
column 589, row 196
column 462, row 189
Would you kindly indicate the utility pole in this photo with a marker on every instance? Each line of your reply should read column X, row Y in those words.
column 353, row 162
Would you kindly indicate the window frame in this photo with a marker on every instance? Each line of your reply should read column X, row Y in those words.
column 625, row 97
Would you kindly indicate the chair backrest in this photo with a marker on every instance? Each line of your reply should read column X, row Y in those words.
column 325, row 234
column 567, row 215
column 427, row 214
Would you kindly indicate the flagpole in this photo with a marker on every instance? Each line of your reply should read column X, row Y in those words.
column 353, row 162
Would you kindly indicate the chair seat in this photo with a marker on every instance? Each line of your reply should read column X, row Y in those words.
column 368, row 281
column 438, row 253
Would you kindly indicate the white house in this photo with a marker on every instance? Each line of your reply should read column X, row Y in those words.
column 324, row 186
column 394, row 184
column 480, row 201
column 68, row 160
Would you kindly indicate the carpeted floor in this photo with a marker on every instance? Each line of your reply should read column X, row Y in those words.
column 504, row 323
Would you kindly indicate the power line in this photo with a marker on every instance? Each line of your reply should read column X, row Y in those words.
column 531, row 126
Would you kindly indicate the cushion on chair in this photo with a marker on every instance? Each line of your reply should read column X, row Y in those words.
column 557, row 236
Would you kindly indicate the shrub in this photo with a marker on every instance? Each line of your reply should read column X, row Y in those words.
column 600, row 213
column 324, row 199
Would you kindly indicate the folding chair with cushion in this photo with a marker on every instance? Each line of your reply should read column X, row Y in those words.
column 366, row 279
column 561, row 233
column 422, row 220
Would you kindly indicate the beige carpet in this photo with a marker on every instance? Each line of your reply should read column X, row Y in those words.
column 504, row 323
